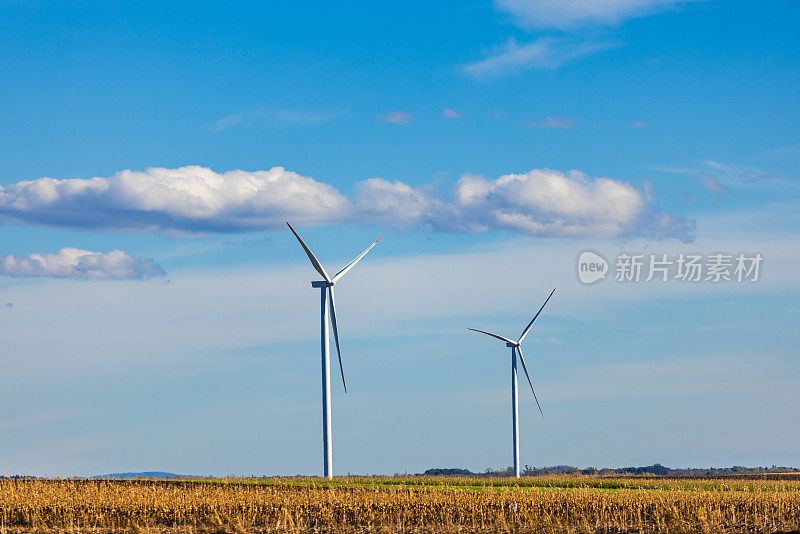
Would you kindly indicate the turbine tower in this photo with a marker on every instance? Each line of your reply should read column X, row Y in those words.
column 328, row 317
column 516, row 348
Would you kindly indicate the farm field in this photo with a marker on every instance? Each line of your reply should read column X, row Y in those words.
column 404, row 504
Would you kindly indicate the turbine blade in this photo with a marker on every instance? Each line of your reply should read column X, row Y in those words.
column 317, row 265
column 501, row 338
column 525, row 368
column 336, row 334
column 530, row 324
column 353, row 263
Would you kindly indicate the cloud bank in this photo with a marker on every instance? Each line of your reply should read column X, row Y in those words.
column 80, row 264
column 192, row 200
column 565, row 14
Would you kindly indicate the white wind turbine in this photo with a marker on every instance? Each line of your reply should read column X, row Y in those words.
column 328, row 311
column 517, row 349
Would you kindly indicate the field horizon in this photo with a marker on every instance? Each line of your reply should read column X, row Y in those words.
column 655, row 470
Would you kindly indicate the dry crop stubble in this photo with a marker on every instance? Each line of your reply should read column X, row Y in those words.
column 384, row 504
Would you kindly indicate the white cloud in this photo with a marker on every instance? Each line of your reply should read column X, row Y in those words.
column 546, row 202
column 188, row 199
column 544, row 53
column 564, row 14
column 541, row 202
column 228, row 122
column 81, row 264
column 449, row 113
column 719, row 177
column 395, row 204
column 397, row 117
column 563, row 123
column 195, row 200
column 262, row 114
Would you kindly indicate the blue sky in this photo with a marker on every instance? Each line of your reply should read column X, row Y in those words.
column 155, row 312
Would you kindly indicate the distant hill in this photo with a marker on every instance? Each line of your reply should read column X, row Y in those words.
column 143, row 474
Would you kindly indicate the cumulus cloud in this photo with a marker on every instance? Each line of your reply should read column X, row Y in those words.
column 395, row 204
column 192, row 200
column 546, row 202
column 541, row 202
column 565, row 14
column 189, row 199
column 449, row 113
column 81, row 264
column 397, row 117
column 544, row 53
column 639, row 124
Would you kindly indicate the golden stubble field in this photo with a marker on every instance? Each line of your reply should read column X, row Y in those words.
column 403, row 504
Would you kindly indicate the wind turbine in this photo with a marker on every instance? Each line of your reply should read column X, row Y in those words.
column 328, row 311
column 516, row 348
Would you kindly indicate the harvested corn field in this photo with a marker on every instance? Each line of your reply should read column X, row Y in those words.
column 403, row 504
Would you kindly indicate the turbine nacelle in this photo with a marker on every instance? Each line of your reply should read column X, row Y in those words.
column 322, row 283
